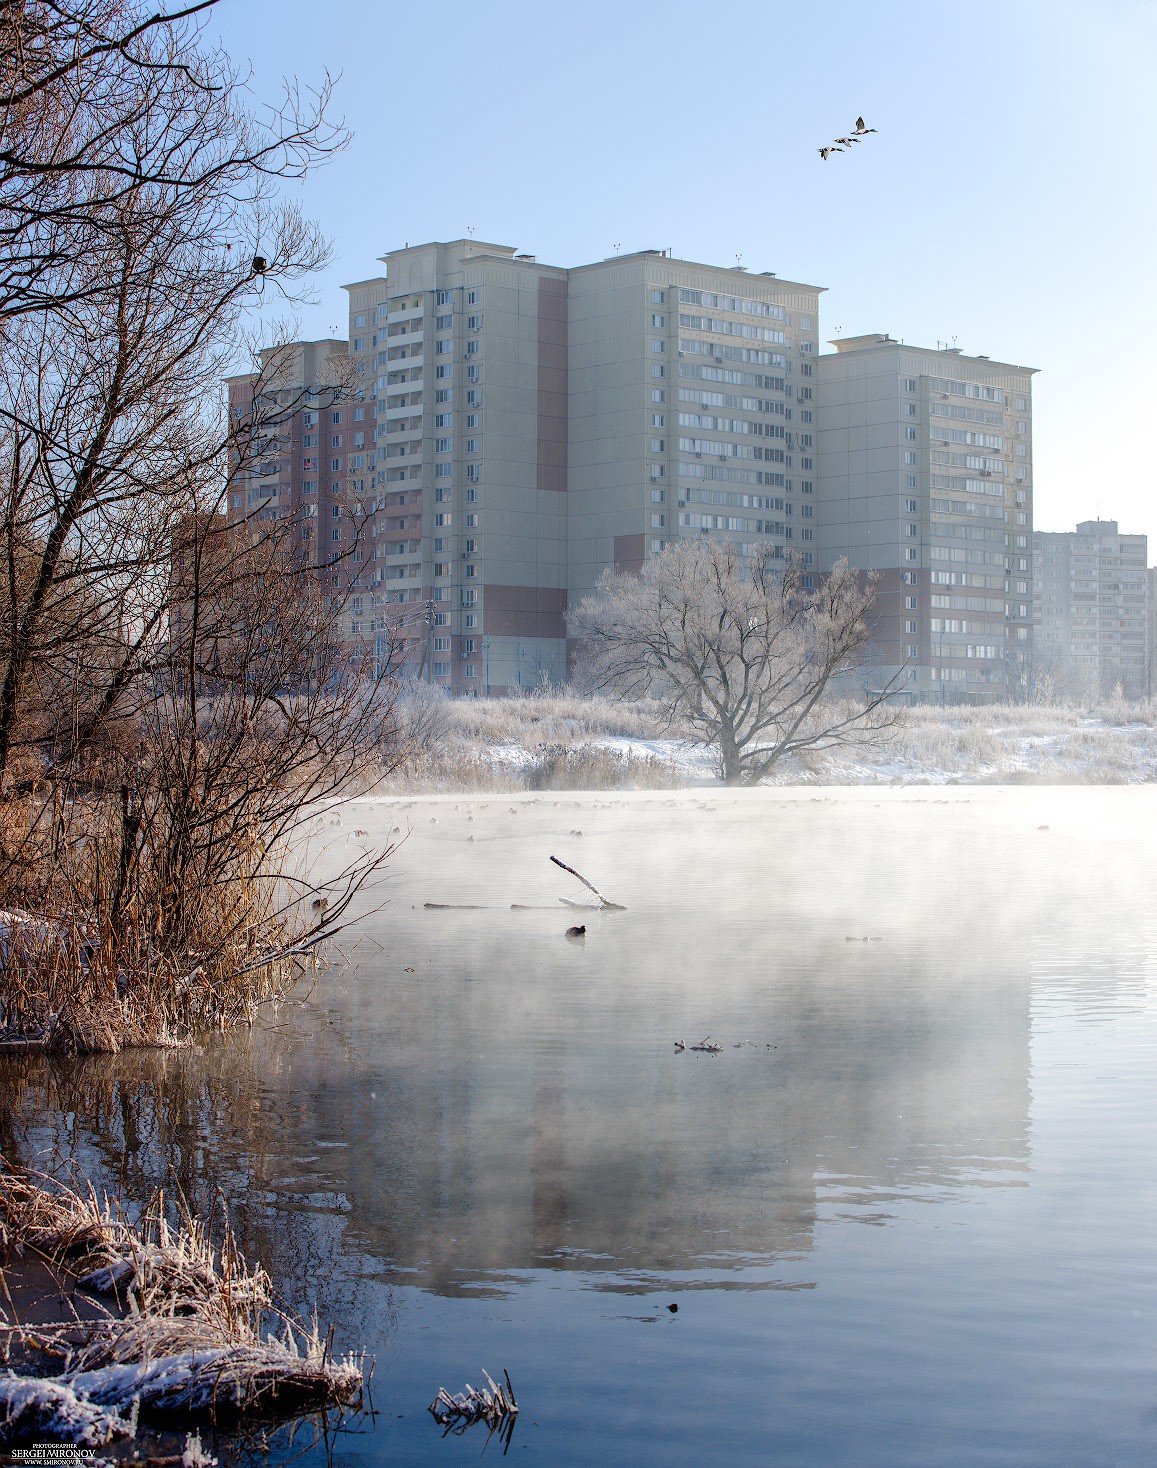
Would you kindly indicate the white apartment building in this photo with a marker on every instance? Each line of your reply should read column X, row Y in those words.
column 461, row 351
column 533, row 425
column 925, row 476
column 1091, row 610
column 516, row 428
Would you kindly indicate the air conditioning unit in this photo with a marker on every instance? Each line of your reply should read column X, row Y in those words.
column 719, row 359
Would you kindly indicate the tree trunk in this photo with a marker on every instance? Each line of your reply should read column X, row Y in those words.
column 729, row 757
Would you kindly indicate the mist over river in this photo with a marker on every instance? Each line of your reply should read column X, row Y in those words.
column 906, row 1211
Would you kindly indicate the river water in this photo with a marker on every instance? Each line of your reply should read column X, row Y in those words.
column 907, row 1212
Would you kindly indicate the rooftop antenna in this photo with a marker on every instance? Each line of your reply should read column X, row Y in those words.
column 738, row 256
column 616, row 247
column 954, row 340
column 470, row 230
column 839, row 331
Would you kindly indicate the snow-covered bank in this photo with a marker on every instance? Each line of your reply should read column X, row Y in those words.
column 562, row 742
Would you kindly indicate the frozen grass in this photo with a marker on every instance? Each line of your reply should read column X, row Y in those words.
column 196, row 1332
column 563, row 741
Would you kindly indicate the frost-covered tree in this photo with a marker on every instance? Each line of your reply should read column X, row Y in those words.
column 743, row 650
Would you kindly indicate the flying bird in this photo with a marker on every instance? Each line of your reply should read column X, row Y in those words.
column 860, row 128
column 823, row 152
column 847, row 140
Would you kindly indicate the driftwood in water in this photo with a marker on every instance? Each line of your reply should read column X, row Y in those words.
column 605, row 902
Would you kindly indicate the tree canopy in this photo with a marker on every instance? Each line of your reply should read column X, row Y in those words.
column 746, row 651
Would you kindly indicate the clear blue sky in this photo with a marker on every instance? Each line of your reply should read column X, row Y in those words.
column 1007, row 201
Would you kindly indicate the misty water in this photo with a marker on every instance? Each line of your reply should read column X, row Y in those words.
column 907, row 1212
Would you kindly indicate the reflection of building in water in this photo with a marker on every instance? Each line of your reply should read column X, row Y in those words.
column 488, row 1128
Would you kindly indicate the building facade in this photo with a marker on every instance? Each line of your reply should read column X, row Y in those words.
column 294, row 464
column 514, row 429
column 925, row 476
column 1092, row 611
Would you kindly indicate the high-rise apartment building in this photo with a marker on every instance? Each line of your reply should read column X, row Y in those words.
column 295, row 467
column 691, row 411
column 516, row 428
column 534, row 425
column 1092, row 610
column 461, row 350
column 925, row 474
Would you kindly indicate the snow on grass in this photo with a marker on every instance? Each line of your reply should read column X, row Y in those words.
column 566, row 742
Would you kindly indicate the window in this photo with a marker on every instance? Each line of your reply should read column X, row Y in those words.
column 910, row 434
column 911, row 651
column 471, row 521
column 471, row 420
column 658, row 344
column 441, row 644
column 335, row 533
column 442, row 298
column 658, row 445
column 471, row 670
column 359, row 343
column 658, row 522
column 444, row 369
column 309, row 440
column 309, row 486
column 908, row 578
column 658, row 395
column 472, row 298
column 658, row 298
column 911, row 407
column 473, row 372
column 909, row 384
column 909, row 456
column 474, row 323
column 658, row 369
column 443, row 445
column 441, row 670
column 471, row 445
column 473, row 397
column 911, row 627
column 336, row 417
column 658, row 420
column 335, row 466
column 473, row 473
column 910, row 553
column 658, row 496
column 335, row 440
column 359, row 320
column 909, row 507
column 470, row 619
column 909, row 603
column 443, row 518
column 658, row 321
column 471, row 570
column 471, row 349
column 911, row 529
column 912, row 482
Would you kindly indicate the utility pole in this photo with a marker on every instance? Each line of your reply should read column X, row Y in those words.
column 427, row 661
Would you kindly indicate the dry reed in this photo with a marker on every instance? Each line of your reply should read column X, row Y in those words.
column 196, row 1332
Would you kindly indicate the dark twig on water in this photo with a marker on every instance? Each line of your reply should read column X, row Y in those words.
column 605, row 902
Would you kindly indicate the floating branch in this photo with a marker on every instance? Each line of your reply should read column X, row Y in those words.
column 605, row 902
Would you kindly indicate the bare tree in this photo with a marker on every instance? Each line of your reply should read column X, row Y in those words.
column 174, row 689
column 745, row 652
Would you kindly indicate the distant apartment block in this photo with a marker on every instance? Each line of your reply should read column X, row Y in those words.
column 534, row 425
column 517, row 428
column 1092, row 610
column 925, row 475
column 296, row 470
